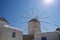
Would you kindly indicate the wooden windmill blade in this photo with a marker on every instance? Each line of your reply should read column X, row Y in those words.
column 41, row 13
column 45, row 28
column 24, row 17
column 14, row 20
column 37, row 14
column 44, row 17
column 45, row 22
column 27, row 14
column 23, row 22
column 32, row 12
column 57, row 25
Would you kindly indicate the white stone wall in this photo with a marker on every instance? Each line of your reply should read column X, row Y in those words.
column 48, row 35
column 3, row 23
column 33, row 27
column 6, row 34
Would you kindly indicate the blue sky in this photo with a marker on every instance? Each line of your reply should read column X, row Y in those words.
column 12, row 10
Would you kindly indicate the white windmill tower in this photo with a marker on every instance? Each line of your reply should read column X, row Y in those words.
column 33, row 26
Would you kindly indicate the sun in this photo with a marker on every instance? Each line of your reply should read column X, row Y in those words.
column 49, row 1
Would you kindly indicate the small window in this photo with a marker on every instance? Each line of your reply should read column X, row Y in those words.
column 43, row 38
column 13, row 34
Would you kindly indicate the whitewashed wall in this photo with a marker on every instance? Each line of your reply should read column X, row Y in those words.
column 6, row 34
column 48, row 35
column 33, row 27
column 3, row 23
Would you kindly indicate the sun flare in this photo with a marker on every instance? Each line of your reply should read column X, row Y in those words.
column 48, row 1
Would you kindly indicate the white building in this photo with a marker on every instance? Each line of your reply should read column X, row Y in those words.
column 34, row 29
column 34, row 32
column 9, row 33
column 47, row 36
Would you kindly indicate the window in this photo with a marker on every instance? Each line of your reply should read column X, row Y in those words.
column 43, row 38
column 13, row 34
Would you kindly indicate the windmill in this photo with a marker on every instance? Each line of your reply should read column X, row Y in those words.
column 32, row 18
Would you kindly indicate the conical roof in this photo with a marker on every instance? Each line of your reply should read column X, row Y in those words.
column 34, row 19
